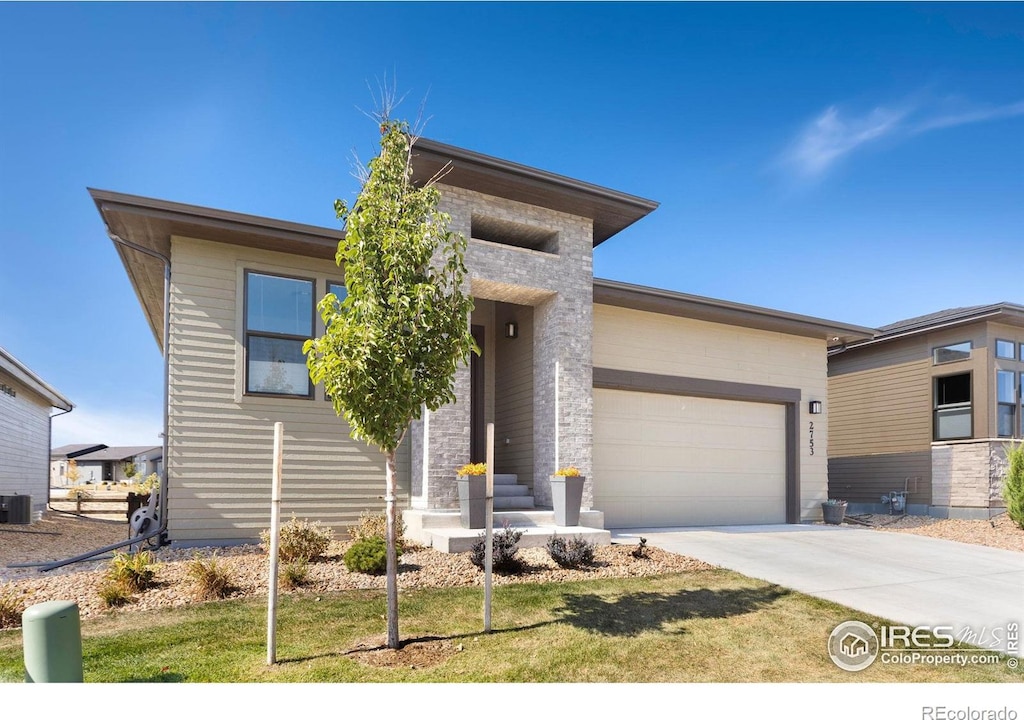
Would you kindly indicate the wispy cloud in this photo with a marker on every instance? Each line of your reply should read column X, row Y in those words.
column 832, row 136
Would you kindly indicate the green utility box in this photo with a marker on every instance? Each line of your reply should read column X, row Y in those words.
column 52, row 634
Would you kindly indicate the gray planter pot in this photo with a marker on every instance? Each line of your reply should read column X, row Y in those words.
column 566, row 497
column 833, row 513
column 473, row 501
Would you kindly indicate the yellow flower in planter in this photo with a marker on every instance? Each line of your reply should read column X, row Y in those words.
column 472, row 469
column 570, row 471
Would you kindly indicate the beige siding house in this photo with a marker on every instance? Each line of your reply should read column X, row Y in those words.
column 26, row 403
column 679, row 410
column 927, row 407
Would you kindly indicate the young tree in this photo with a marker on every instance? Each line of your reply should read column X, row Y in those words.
column 74, row 474
column 392, row 346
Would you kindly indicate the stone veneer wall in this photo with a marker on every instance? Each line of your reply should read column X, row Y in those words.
column 560, row 289
column 967, row 478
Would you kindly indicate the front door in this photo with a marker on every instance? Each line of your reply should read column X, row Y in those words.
column 477, row 430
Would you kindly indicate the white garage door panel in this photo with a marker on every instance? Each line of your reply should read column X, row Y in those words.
column 664, row 460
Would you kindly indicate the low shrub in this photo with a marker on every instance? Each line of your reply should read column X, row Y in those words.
column 1013, row 484
column 11, row 609
column 300, row 540
column 150, row 484
column 114, row 594
column 373, row 524
column 572, row 553
column 295, row 574
column 368, row 555
column 505, row 548
column 210, row 579
column 133, row 572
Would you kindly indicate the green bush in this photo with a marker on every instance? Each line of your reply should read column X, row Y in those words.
column 503, row 554
column 369, row 555
column 10, row 609
column 133, row 572
column 1013, row 484
column 573, row 553
column 373, row 524
column 300, row 540
column 210, row 579
column 295, row 574
column 114, row 594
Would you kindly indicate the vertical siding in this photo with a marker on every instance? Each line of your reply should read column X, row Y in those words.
column 513, row 415
column 640, row 341
column 221, row 440
column 24, row 443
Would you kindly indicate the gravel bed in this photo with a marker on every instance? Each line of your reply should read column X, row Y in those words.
column 60, row 535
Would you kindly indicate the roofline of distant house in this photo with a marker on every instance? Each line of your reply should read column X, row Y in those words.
column 22, row 374
column 954, row 319
column 668, row 302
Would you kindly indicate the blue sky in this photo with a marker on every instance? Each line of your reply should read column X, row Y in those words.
column 862, row 163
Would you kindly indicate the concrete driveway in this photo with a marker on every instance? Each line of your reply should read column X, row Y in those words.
column 909, row 579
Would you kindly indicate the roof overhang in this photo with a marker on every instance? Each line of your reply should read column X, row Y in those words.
column 666, row 302
column 13, row 367
column 150, row 223
column 612, row 211
column 1005, row 313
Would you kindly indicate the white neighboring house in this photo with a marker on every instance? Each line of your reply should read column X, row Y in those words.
column 26, row 402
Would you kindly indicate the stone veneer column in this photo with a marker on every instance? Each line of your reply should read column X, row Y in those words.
column 559, row 286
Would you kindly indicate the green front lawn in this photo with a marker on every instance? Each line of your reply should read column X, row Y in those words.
column 714, row 626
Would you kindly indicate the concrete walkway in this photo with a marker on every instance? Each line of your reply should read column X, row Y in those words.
column 908, row 579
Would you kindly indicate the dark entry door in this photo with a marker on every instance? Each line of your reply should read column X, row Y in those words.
column 477, row 430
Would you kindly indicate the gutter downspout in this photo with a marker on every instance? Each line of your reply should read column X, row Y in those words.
column 159, row 531
column 49, row 444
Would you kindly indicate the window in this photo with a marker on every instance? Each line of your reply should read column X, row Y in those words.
column 1006, row 403
column 278, row 320
column 339, row 290
column 953, row 407
column 1005, row 349
column 951, row 353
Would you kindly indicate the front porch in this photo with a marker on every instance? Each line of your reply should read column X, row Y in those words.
column 442, row 530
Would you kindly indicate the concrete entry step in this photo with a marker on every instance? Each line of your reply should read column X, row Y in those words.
column 442, row 530
column 522, row 502
column 510, row 491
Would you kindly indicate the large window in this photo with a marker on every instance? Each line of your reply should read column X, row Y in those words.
column 278, row 320
column 1006, row 403
column 953, row 407
column 951, row 353
column 1006, row 349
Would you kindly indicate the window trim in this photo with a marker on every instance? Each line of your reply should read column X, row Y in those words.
column 1013, row 349
column 327, row 288
column 935, row 405
column 1014, row 404
column 246, row 333
column 970, row 352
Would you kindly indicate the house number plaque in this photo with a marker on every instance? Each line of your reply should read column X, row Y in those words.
column 811, row 434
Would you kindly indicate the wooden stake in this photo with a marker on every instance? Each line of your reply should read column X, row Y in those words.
column 275, row 534
column 489, row 527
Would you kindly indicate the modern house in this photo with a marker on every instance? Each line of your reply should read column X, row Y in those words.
column 101, row 463
column 26, row 404
column 679, row 410
column 928, row 406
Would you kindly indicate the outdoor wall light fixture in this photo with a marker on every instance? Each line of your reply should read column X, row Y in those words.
column 511, row 330
column 815, row 407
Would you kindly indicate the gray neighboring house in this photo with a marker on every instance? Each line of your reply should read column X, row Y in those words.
column 26, row 405
column 929, row 405
column 678, row 409
column 102, row 463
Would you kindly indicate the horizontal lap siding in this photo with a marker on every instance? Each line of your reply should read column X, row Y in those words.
column 221, row 455
column 640, row 341
column 864, row 479
column 24, row 443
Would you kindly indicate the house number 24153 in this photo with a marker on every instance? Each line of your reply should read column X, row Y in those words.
column 811, row 434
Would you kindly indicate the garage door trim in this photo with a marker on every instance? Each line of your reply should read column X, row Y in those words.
column 610, row 379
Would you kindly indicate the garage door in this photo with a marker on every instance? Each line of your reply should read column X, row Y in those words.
column 671, row 460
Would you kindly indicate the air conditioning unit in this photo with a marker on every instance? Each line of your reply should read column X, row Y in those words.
column 19, row 509
column 3, row 509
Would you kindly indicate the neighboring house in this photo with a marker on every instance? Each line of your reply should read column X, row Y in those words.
column 108, row 465
column 26, row 402
column 928, row 405
column 679, row 410
column 59, row 457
